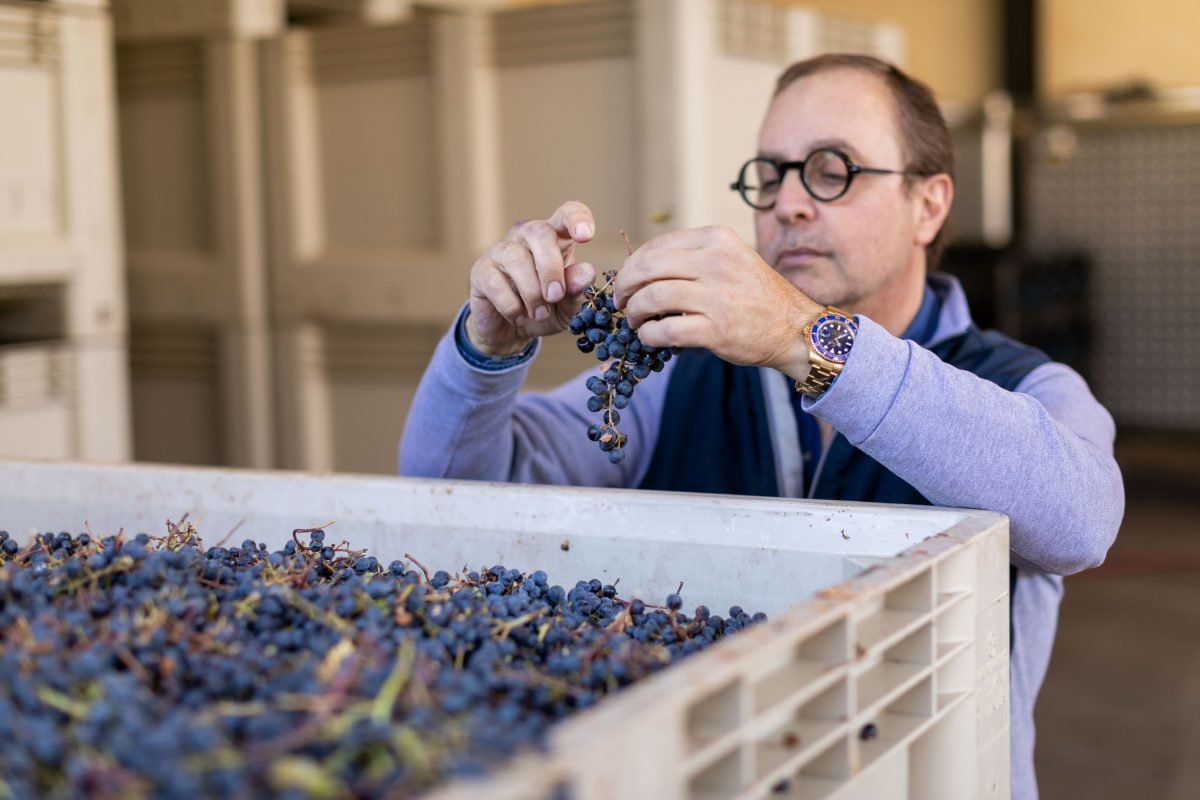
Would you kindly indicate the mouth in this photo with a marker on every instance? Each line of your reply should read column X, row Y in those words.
column 798, row 256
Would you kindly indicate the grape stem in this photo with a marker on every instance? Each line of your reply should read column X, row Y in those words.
column 422, row 568
column 503, row 629
column 628, row 244
column 296, row 533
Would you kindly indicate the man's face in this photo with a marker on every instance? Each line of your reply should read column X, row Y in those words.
column 859, row 251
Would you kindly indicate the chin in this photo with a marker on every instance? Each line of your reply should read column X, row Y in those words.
column 813, row 287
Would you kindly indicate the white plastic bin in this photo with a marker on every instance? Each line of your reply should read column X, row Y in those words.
column 894, row 616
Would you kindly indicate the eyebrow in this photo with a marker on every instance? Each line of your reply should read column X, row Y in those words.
column 820, row 144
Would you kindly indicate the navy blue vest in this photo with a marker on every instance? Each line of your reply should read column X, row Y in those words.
column 715, row 436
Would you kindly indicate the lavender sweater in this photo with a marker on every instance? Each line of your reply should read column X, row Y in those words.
column 1042, row 455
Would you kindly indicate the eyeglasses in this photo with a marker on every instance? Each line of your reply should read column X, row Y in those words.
column 826, row 175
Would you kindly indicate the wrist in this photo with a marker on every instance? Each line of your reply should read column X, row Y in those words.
column 512, row 348
column 797, row 364
column 828, row 338
column 796, row 361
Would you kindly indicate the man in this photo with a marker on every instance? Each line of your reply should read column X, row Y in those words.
column 897, row 398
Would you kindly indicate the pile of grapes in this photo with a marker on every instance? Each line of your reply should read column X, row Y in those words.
column 155, row 667
column 604, row 331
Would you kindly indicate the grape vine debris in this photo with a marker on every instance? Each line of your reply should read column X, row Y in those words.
column 157, row 667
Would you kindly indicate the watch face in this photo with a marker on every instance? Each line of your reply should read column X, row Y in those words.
column 832, row 337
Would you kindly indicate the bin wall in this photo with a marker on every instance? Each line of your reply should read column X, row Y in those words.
column 890, row 616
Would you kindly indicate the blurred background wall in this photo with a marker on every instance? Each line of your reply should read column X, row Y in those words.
column 231, row 232
column 1089, row 44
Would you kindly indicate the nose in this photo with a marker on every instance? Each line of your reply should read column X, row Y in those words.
column 794, row 203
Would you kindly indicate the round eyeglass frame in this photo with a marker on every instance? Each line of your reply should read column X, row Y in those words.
column 742, row 188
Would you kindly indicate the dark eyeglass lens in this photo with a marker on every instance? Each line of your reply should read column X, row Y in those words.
column 826, row 174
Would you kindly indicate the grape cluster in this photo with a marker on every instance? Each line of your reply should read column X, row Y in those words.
column 157, row 667
column 604, row 331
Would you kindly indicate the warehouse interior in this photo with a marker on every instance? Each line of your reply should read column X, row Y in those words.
column 233, row 231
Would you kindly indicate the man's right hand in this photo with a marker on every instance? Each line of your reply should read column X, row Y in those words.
column 528, row 284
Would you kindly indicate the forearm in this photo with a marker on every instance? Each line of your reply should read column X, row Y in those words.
column 451, row 427
column 470, row 423
column 1043, row 458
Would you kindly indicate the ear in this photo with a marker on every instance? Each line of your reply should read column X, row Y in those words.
column 932, row 197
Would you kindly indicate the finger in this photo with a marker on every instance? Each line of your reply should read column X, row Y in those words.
column 573, row 221
column 676, row 254
column 646, row 267
column 493, row 286
column 579, row 277
column 693, row 330
column 542, row 242
column 516, row 262
column 661, row 298
column 691, row 238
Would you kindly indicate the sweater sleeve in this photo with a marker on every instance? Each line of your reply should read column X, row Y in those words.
column 1042, row 454
column 470, row 423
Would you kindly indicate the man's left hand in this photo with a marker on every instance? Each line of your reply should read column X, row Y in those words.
column 705, row 287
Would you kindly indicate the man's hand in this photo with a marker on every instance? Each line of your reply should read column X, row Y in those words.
column 528, row 284
column 708, row 288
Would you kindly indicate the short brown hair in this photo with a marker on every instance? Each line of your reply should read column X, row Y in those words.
column 923, row 131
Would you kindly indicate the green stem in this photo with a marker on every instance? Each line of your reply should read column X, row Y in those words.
column 61, row 702
column 385, row 701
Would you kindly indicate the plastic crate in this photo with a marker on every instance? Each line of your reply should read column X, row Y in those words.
column 60, row 241
column 36, row 406
column 888, row 616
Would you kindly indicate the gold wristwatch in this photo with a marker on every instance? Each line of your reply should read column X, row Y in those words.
column 829, row 338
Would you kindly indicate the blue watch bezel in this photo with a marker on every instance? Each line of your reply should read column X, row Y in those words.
column 821, row 321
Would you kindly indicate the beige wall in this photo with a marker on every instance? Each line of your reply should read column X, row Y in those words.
column 956, row 45
column 1090, row 43
column 953, row 45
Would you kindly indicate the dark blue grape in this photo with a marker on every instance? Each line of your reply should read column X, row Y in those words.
column 609, row 336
